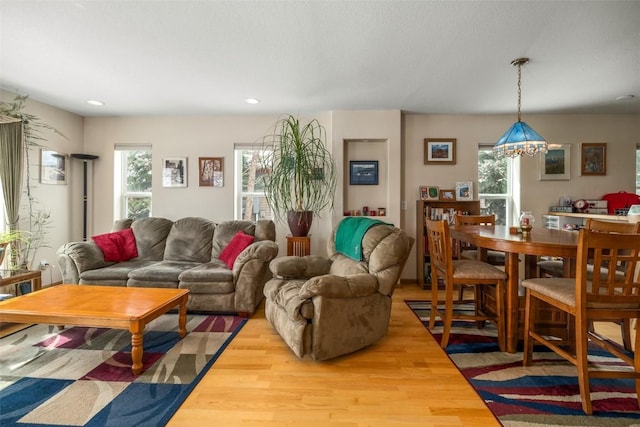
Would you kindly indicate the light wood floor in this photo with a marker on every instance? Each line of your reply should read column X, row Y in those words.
column 404, row 380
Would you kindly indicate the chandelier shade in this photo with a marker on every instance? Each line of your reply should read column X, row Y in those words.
column 520, row 138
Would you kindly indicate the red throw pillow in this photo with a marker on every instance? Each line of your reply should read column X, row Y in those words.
column 117, row 247
column 238, row 244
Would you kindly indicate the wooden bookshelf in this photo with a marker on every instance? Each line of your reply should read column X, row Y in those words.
column 432, row 209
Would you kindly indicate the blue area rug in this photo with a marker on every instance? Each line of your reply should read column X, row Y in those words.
column 82, row 376
column 543, row 394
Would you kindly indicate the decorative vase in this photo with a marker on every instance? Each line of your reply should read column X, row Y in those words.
column 299, row 222
column 526, row 221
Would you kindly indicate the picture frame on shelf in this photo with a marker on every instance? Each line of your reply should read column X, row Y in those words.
column 555, row 164
column 174, row 172
column 429, row 192
column 448, row 195
column 464, row 190
column 53, row 167
column 211, row 171
column 593, row 158
column 363, row 172
column 382, row 211
column 440, row 151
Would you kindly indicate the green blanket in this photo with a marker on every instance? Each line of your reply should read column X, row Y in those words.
column 349, row 235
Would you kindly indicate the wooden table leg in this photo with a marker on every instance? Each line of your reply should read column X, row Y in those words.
column 136, row 348
column 182, row 317
column 513, row 280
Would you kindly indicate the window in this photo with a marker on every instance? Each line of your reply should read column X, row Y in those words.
column 498, row 185
column 132, row 181
column 251, row 202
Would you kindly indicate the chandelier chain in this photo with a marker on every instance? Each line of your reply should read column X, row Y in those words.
column 519, row 88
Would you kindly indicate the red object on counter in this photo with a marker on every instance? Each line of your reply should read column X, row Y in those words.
column 620, row 200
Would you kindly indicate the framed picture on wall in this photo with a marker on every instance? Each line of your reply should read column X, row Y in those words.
column 440, row 151
column 210, row 171
column 555, row 163
column 53, row 167
column 363, row 172
column 593, row 159
column 174, row 172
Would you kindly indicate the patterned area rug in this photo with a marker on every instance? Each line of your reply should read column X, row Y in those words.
column 544, row 394
column 82, row 376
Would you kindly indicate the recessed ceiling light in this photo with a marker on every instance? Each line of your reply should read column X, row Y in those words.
column 625, row 98
column 252, row 101
column 95, row 102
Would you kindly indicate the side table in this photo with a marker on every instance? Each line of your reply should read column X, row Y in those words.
column 298, row 246
column 15, row 277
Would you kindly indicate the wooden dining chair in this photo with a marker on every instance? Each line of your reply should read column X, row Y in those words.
column 468, row 251
column 607, row 296
column 556, row 268
column 455, row 273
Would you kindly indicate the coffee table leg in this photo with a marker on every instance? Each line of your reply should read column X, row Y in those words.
column 136, row 349
column 182, row 317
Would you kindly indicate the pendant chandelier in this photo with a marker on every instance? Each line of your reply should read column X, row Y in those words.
column 520, row 139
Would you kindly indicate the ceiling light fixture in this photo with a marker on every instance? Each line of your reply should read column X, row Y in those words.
column 252, row 101
column 95, row 102
column 520, row 139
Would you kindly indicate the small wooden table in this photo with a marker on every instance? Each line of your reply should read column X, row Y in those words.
column 99, row 306
column 15, row 277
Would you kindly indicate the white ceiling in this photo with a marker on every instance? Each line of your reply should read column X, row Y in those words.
column 207, row 57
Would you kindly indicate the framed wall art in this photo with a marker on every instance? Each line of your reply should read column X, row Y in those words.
column 555, row 163
column 53, row 167
column 464, row 190
column 211, row 171
column 440, row 151
column 428, row 192
column 448, row 195
column 593, row 158
column 363, row 172
column 174, row 172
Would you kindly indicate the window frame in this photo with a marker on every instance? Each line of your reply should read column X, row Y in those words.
column 121, row 193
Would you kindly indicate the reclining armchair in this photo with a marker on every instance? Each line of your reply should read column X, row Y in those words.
column 325, row 307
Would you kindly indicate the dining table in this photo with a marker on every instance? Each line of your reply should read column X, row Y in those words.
column 534, row 244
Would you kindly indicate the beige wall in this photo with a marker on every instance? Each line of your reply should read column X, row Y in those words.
column 62, row 202
column 214, row 136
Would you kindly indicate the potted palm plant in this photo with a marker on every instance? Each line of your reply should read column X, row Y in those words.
column 302, row 178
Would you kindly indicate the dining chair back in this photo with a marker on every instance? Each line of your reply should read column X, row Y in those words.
column 604, row 295
column 469, row 251
column 455, row 273
column 555, row 268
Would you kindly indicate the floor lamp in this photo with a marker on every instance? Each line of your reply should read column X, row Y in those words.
column 85, row 159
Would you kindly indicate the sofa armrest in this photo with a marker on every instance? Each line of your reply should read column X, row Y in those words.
column 294, row 267
column 76, row 257
column 251, row 272
column 329, row 285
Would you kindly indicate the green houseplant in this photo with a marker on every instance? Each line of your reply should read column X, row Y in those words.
column 302, row 178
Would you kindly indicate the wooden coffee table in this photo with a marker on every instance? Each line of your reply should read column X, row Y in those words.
column 99, row 306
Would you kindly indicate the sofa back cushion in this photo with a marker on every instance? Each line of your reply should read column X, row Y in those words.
column 225, row 231
column 151, row 236
column 190, row 240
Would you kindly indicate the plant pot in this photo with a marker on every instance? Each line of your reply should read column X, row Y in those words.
column 299, row 222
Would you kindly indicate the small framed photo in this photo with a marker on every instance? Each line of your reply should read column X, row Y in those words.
column 210, row 171
column 555, row 163
column 382, row 211
column 363, row 172
column 440, row 151
column 53, row 167
column 428, row 192
column 174, row 172
column 447, row 195
column 593, row 159
column 464, row 190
